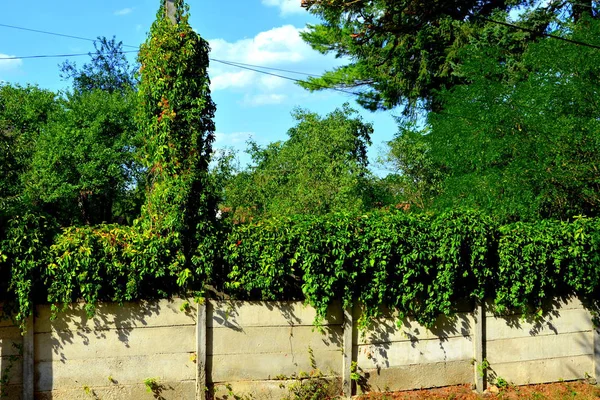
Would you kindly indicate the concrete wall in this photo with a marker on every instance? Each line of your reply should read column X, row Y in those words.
column 558, row 347
column 263, row 349
column 406, row 355
column 111, row 355
column 260, row 349
column 11, row 361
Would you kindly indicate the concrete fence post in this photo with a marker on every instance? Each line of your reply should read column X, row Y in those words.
column 201, row 327
column 170, row 10
column 597, row 354
column 348, row 329
column 28, row 360
column 478, row 343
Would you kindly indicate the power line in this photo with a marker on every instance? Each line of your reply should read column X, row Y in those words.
column 228, row 62
column 55, row 34
column 286, row 77
column 235, row 63
column 55, row 55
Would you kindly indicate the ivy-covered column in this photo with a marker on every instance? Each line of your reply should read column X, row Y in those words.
column 176, row 119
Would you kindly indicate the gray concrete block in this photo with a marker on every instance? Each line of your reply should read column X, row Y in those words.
column 419, row 376
column 555, row 304
column 561, row 321
column 168, row 390
column 111, row 315
column 68, row 374
column 275, row 339
column 93, row 345
column 542, row 371
column 385, row 330
column 395, row 354
column 254, row 367
column 15, row 376
column 237, row 314
column 539, row 347
column 9, row 336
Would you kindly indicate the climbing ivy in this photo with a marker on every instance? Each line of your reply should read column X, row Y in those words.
column 171, row 247
column 416, row 264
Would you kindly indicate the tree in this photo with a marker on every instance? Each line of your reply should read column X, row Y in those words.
column 24, row 112
column 414, row 179
column 83, row 166
column 403, row 52
column 84, row 169
column 108, row 70
column 522, row 144
column 322, row 167
column 175, row 116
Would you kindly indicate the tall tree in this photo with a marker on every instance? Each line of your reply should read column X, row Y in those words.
column 402, row 51
column 322, row 167
column 176, row 121
column 109, row 70
column 24, row 113
column 522, row 144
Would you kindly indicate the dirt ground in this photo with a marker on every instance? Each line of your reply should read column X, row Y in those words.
column 554, row 391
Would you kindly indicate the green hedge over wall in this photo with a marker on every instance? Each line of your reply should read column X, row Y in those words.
column 418, row 264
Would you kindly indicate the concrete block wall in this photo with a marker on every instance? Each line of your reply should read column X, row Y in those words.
column 558, row 347
column 11, row 360
column 111, row 355
column 224, row 348
column 258, row 348
column 406, row 355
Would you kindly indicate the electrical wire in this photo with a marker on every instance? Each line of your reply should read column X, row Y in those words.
column 55, row 34
column 287, row 77
column 249, row 67
column 55, row 55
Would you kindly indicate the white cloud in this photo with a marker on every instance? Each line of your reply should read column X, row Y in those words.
column 263, row 99
column 226, row 80
column 278, row 45
column 286, row 7
column 123, row 11
column 233, row 139
column 7, row 65
column 281, row 48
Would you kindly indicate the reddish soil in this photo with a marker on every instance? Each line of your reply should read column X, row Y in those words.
column 553, row 391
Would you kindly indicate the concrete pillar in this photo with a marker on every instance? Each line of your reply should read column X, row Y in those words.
column 597, row 354
column 28, row 360
column 170, row 10
column 201, row 351
column 347, row 353
column 478, row 343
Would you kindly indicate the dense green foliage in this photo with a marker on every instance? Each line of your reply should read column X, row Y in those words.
column 321, row 168
column 401, row 52
column 519, row 141
column 417, row 264
column 83, row 166
column 512, row 134
column 24, row 112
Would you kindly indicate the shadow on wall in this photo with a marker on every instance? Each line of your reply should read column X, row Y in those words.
column 258, row 348
column 554, row 342
column 102, row 342
column 388, row 329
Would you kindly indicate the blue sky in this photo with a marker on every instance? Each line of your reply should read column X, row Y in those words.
column 260, row 32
